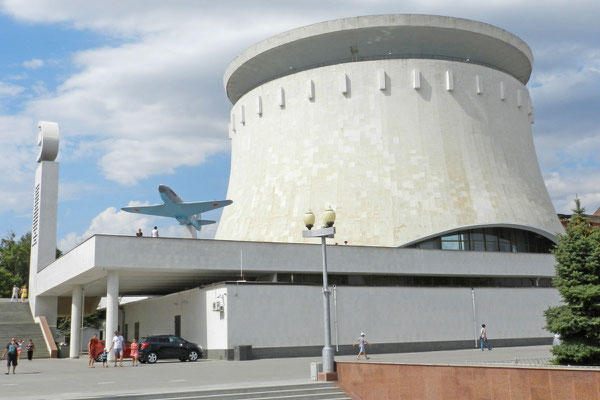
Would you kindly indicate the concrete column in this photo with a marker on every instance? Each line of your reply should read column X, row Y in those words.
column 112, row 308
column 76, row 311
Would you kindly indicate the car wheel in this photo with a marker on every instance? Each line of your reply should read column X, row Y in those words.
column 152, row 357
column 193, row 355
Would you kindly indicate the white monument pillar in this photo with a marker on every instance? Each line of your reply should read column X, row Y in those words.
column 112, row 308
column 43, row 230
column 76, row 310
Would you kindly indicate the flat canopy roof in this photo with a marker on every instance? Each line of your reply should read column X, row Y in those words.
column 151, row 266
column 377, row 37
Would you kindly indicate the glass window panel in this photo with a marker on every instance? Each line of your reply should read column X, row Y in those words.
column 430, row 244
column 522, row 243
column 504, row 245
column 477, row 235
column 491, row 239
column 477, row 246
column 491, row 245
column 450, row 237
column 504, row 233
column 491, row 234
column 447, row 245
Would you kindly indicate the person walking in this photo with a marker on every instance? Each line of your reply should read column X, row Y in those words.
column 134, row 352
column 361, row 341
column 483, row 338
column 105, row 358
column 23, row 293
column 11, row 355
column 19, row 348
column 92, row 350
column 15, row 294
column 117, row 344
column 30, row 347
column 155, row 232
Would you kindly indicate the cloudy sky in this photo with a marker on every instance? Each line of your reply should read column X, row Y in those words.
column 136, row 87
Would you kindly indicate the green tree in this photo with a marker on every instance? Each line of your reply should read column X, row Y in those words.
column 578, row 282
column 14, row 262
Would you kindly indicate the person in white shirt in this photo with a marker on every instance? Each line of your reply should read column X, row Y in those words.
column 15, row 294
column 483, row 338
column 155, row 232
column 117, row 344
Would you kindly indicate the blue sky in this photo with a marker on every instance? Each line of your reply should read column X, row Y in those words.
column 136, row 87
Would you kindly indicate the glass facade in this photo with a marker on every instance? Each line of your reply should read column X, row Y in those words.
column 489, row 239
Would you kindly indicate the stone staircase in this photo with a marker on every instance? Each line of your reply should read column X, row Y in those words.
column 16, row 321
column 311, row 391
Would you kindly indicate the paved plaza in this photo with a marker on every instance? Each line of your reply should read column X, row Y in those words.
column 71, row 379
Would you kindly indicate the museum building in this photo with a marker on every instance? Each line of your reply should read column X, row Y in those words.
column 416, row 130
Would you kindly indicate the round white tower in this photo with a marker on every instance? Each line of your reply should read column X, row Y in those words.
column 409, row 126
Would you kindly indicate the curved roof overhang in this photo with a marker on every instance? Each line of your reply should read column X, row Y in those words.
column 377, row 37
column 528, row 228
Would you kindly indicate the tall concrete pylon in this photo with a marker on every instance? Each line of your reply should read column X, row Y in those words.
column 43, row 229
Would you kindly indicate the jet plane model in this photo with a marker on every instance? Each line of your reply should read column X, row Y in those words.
column 173, row 206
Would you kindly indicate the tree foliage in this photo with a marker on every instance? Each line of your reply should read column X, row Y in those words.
column 14, row 262
column 578, row 282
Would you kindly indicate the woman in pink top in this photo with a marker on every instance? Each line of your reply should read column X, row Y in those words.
column 134, row 352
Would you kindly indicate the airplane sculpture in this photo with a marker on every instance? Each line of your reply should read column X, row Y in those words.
column 173, row 206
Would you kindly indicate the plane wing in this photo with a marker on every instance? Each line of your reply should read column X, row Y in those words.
column 158, row 209
column 194, row 208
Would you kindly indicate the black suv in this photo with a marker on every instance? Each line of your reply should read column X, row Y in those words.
column 153, row 348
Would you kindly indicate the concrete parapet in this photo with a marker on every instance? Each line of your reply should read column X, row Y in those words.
column 402, row 381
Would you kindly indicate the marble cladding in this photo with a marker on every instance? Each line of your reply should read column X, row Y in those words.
column 401, row 149
column 403, row 381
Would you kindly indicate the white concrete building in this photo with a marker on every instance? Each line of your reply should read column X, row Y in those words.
column 405, row 299
column 410, row 126
column 416, row 129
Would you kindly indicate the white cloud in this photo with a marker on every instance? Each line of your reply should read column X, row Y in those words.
column 116, row 222
column 10, row 90
column 17, row 160
column 564, row 189
column 34, row 63
column 111, row 222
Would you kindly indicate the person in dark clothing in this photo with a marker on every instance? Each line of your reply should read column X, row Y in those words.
column 11, row 354
column 30, row 347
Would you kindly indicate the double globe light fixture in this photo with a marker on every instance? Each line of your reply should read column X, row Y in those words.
column 327, row 231
column 328, row 218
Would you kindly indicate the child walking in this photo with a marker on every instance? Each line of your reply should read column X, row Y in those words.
column 134, row 352
column 105, row 358
column 361, row 341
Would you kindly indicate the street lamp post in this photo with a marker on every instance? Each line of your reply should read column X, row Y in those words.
column 327, row 231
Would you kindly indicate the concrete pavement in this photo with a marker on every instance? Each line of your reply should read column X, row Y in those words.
column 71, row 379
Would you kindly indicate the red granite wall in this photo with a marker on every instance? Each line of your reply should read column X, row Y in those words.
column 378, row 381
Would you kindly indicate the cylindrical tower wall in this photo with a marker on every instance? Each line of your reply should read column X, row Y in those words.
column 401, row 148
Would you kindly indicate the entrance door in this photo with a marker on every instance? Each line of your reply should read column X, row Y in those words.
column 178, row 325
